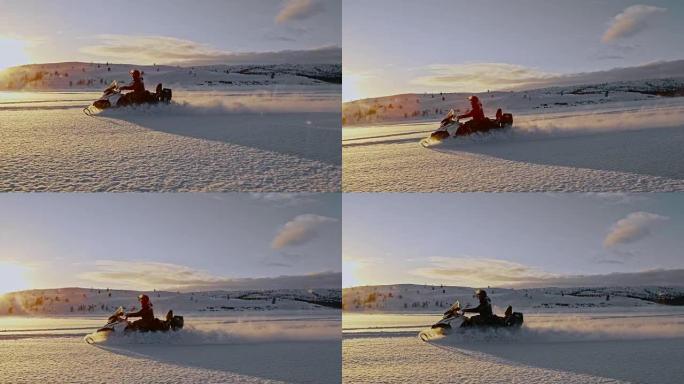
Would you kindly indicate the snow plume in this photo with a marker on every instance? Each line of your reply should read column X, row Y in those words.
column 586, row 123
column 630, row 21
column 300, row 230
column 210, row 103
column 239, row 332
column 573, row 328
column 299, row 10
column 633, row 227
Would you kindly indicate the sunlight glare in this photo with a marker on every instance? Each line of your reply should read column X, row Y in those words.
column 351, row 87
column 13, row 277
column 13, row 53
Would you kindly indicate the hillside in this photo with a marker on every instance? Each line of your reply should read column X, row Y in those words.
column 79, row 301
column 427, row 298
column 94, row 76
column 432, row 106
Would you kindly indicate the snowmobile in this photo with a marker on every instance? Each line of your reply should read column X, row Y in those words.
column 502, row 120
column 113, row 98
column 117, row 323
column 453, row 318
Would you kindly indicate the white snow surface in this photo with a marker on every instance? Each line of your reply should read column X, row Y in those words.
column 554, row 348
column 229, row 128
column 291, row 347
column 569, row 335
column 625, row 141
column 203, row 142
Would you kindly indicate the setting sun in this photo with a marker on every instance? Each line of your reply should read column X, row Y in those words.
column 13, row 53
column 13, row 277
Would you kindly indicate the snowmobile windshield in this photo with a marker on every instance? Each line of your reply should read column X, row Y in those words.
column 111, row 87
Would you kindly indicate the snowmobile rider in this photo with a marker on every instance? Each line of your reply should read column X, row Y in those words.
column 478, row 120
column 146, row 314
column 137, row 86
column 484, row 310
column 148, row 322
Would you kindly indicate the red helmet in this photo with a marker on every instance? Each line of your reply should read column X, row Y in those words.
column 144, row 300
column 135, row 73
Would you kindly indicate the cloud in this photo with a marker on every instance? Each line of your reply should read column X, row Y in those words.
column 285, row 33
column 629, row 22
column 655, row 277
column 144, row 275
column 284, row 198
column 143, row 49
column 633, row 227
column 299, row 10
column 300, row 230
column 480, row 272
column 476, row 272
column 479, row 77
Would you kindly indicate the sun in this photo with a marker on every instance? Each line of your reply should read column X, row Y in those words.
column 13, row 277
column 12, row 52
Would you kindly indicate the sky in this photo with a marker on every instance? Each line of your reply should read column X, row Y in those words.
column 169, row 32
column 513, row 239
column 402, row 46
column 170, row 241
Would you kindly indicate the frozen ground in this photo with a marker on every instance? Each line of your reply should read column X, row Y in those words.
column 626, row 145
column 605, row 347
column 251, row 140
column 295, row 347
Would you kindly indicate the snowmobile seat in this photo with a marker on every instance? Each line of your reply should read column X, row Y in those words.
column 514, row 320
column 165, row 95
column 506, row 119
column 176, row 323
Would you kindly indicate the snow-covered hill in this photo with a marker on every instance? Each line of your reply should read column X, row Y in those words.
column 94, row 76
column 428, row 298
column 432, row 106
column 79, row 301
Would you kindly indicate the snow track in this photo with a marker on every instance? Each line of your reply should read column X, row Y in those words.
column 635, row 149
column 550, row 348
column 53, row 146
